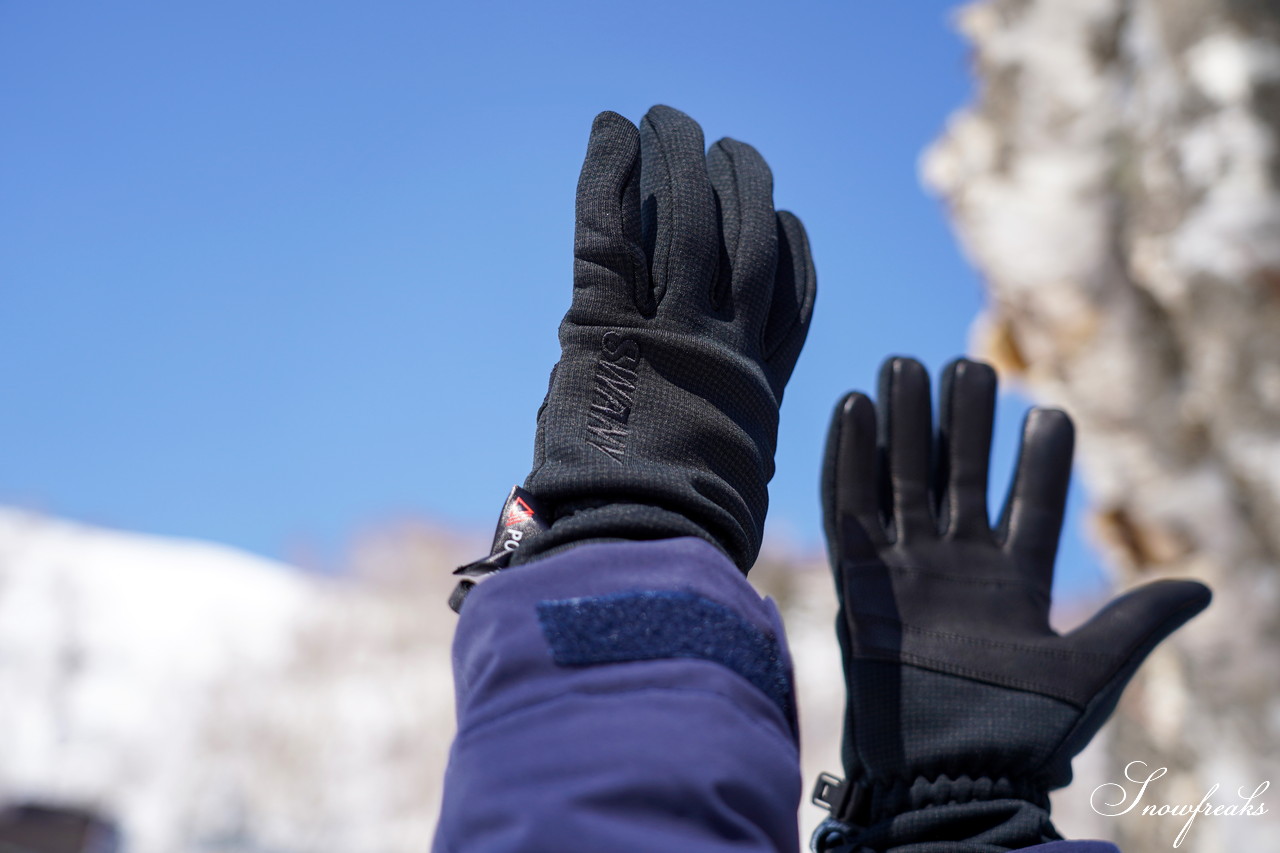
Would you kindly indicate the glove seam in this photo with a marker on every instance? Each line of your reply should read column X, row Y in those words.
column 964, row 672
column 1100, row 657
column 932, row 573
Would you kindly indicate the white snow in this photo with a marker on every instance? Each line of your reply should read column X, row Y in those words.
column 207, row 699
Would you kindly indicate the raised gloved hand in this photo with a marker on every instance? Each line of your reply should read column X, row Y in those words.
column 964, row 707
column 691, row 301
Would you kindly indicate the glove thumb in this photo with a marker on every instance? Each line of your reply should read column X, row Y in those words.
column 1136, row 622
column 1126, row 631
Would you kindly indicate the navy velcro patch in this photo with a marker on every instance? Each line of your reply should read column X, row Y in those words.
column 634, row 626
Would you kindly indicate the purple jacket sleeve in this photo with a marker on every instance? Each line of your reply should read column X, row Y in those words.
column 621, row 696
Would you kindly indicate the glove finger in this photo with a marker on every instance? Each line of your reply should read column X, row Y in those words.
column 965, row 421
column 678, row 213
column 906, row 433
column 850, row 490
column 1032, row 518
column 1131, row 626
column 794, row 292
column 743, row 187
column 610, row 276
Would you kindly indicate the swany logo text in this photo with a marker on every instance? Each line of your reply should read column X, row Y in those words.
column 615, row 384
column 1111, row 799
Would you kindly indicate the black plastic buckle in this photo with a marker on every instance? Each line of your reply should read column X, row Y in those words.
column 847, row 801
column 829, row 792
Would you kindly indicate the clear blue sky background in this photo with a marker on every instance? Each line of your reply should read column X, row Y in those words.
column 273, row 273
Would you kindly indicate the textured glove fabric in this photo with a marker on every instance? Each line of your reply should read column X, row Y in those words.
column 965, row 707
column 691, row 300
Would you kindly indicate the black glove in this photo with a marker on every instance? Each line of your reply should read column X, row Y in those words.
column 691, row 301
column 964, row 707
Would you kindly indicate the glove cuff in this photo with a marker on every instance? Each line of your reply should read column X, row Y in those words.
column 611, row 523
column 884, row 814
column 525, row 533
column 886, row 798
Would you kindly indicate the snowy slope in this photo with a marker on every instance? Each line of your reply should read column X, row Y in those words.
column 210, row 700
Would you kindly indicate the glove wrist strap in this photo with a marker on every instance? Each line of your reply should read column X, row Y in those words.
column 885, row 798
column 883, row 815
column 863, row 802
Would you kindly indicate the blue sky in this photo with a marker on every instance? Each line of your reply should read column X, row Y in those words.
column 274, row 273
